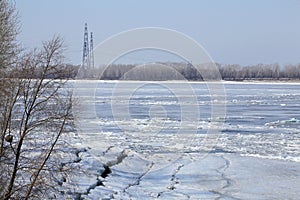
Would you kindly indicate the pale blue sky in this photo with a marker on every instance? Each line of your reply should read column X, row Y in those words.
column 232, row 31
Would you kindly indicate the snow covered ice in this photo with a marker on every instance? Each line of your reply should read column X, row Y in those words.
column 153, row 153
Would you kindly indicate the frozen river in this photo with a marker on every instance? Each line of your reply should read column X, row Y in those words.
column 176, row 140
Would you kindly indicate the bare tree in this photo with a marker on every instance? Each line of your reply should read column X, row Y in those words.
column 36, row 113
column 8, row 47
column 8, row 33
column 8, row 44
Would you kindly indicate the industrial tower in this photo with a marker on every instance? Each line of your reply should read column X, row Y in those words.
column 92, row 52
column 88, row 53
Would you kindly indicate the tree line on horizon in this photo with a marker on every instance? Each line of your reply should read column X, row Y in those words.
column 186, row 71
column 175, row 71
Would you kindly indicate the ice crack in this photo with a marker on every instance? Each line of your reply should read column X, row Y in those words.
column 119, row 159
column 139, row 179
column 228, row 181
column 174, row 181
column 222, row 172
column 107, row 150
